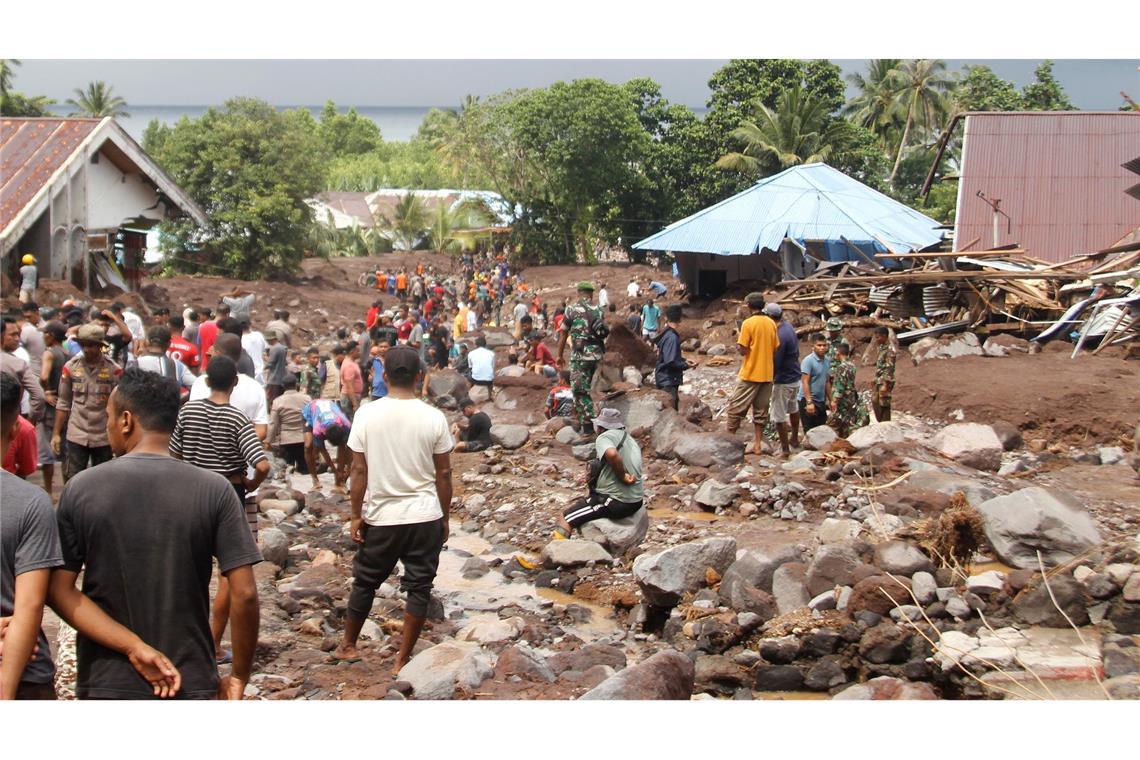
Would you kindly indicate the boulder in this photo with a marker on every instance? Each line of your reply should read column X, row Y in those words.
column 631, row 375
column 492, row 631
column 668, row 430
column 589, row 656
column 868, row 594
column 1110, row 455
column 507, row 399
column 436, row 672
column 498, row 339
column 971, row 444
column 640, row 412
column 665, row 675
column 781, row 650
column 447, row 383
column 826, row 674
column 274, row 546
column 566, row 434
column 835, row 530
column 584, row 452
column 713, row 493
column 875, row 433
column 618, row 536
column 509, row 436
column 902, row 558
column 715, row 672
column 1034, row 519
column 989, row 582
column 709, row 449
column 820, row 437
column 884, row 643
column 666, row 575
column 778, row 678
column 832, row 566
column 949, row 347
column 573, row 553
column 788, row 587
column 755, row 568
column 287, row 506
column 520, row 660
column 888, row 688
column 924, row 587
column 1036, row 607
column 479, row 394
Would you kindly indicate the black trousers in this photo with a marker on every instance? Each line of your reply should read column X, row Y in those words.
column 809, row 421
column 416, row 545
column 672, row 391
column 78, row 458
column 596, row 506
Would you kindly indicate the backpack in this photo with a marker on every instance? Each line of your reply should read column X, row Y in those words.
column 595, row 466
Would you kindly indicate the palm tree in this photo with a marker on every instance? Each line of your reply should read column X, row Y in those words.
column 876, row 107
column 97, row 101
column 408, row 222
column 921, row 91
column 799, row 130
column 6, row 66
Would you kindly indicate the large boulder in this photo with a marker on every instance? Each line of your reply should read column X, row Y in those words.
column 1020, row 524
column 833, row 565
column 1044, row 606
column 947, row 484
column 875, row 433
column 665, row 576
column 665, row 675
column 713, row 493
column 788, row 587
column 573, row 553
column 479, row 394
column 274, row 546
column 436, row 672
column 639, row 412
column 509, row 436
column 618, row 536
column 902, row 558
column 498, row 339
column 747, row 584
column 971, row 444
column 447, row 383
column 888, row 688
column 668, row 430
column 820, row 437
column 708, row 449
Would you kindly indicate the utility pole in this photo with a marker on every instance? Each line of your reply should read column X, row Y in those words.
column 995, row 204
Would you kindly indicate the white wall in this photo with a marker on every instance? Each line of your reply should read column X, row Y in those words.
column 113, row 197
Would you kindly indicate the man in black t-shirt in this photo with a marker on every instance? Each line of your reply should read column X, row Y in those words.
column 144, row 528
column 476, row 434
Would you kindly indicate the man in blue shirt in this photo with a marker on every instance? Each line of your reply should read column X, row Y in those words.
column 649, row 316
column 786, row 379
column 671, row 366
column 379, row 387
column 814, row 372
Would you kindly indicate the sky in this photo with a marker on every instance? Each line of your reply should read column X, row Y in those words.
column 1091, row 84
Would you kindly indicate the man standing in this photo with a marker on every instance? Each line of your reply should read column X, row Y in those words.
column 247, row 396
column 848, row 412
column 757, row 343
column 671, row 366
column 633, row 290
column 603, row 297
column 351, row 381
column 155, row 358
column 786, row 384
column 84, row 387
column 31, row 337
column 255, row 345
column 276, row 366
column 281, row 326
column 884, row 375
column 650, row 314
column 379, row 387
column 287, row 424
column 482, row 364
column 240, row 303
column 309, row 381
column 584, row 326
column 29, row 278
column 54, row 359
column 18, row 368
column 618, row 490
column 475, row 434
column 814, row 372
column 834, row 327
column 401, row 455
column 143, row 530
column 207, row 334
column 180, row 348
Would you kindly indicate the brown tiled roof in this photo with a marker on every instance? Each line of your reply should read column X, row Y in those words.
column 31, row 151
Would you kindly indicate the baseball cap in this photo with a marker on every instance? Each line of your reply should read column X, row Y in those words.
column 402, row 364
column 773, row 310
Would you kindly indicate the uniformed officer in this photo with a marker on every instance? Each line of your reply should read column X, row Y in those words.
column 884, row 375
column 584, row 326
column 84, row 387
column 834, row 327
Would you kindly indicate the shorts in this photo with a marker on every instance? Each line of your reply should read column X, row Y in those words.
column 43, row 437
column 651, row 334
column 784, row 402
column 416, row 545
column 749, row 394
column 596, row 506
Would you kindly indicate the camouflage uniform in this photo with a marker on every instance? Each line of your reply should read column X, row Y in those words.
column 309, row 382
column 585, row 353
column 832, row 345
column 884, row 382
column 849, row 410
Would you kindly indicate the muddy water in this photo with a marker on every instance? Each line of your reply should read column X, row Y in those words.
column 791, row 696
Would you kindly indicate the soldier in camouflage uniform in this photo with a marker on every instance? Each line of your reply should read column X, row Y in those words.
column 847, row 410
column 834, row 329
column 884, row 375
column 586, row 350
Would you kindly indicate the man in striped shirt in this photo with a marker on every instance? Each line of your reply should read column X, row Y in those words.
column 215, row 436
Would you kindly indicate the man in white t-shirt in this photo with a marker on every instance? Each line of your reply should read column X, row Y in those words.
column 482, row 364
column 254, row 344
column 248, row 397
column 633, row 289
column 401, row 455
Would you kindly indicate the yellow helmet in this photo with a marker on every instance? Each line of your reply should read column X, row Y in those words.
column 28, row 259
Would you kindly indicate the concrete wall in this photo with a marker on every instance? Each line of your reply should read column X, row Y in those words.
column 753, row 267
column 114, row 197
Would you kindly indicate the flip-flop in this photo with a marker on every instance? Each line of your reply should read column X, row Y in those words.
column 226, row 658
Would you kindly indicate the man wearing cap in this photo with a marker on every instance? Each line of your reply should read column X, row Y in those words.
column 757, row 343
column 29, row 278
column 584, row 326
column 81, row 409
column 618, row 490
column 671, row 366
column 786, row 382
column 834, row 327
column 401, row 456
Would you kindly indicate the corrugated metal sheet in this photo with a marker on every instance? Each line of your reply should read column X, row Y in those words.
column 1059, row 176
column 31, row 151
column 813, row 202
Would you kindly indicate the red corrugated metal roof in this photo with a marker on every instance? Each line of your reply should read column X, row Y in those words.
column 31, row 151
column 1059, row 176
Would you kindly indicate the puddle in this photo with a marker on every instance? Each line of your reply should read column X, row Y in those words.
column 984, row 567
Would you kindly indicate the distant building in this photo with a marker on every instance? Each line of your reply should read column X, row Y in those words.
column 364, row 210
column 80, row 194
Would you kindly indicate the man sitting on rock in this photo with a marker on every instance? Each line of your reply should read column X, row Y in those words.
column 618, row 489
column 475, row 434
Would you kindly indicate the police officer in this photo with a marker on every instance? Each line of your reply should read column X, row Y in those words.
column 584, row 326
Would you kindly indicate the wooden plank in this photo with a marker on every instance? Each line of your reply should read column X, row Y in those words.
column 993, row 253
column 905, row 278
column 838, row 279
column 966, row 247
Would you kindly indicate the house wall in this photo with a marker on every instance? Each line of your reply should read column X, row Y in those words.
column 752, row 267
column 114, row 197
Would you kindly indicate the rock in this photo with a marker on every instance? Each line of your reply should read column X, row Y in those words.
column 447, row 383
column 868, row 594
column 746, row 598
column 945, row 483
column 820, row 437
column 826, row 674
column 632, row 375
column 1035, row 519
column 835, row 530
column 509, row 436
column 584, row 452
column 1099, row 586
column 507, row 399
column 520, row 660
column 1120, row 572
column 986, row 583
column 274, row 546
column 566, row 435
column 780, row 650
column 1123, row 687
column 902, row 558
column 1008, row 434
column 479, row 394
column 887, row 688
column 587, row 657
column 1111, row 454
column 1121, row 662
column 924, row 587
column 884, row 643
column 436, row 672
column 289, row 507
column 715, row 672
column 971, row 444
column 1035, row 606
column 820, row 643
column 778, row 678
column 709, row 449
column 756, row 568
column 717, row 349
column 666, row 575
column 713, row 493
column 788, row 587
column 953, row 647
column 618, row 536
column 957, row 607
column 474, row 567
column 665, row 675
column 498, row 339
column 492, row 632
column 1131, row 591
column 875, row 433
column 1124, row 616
column 825, row 601
column 640, row 412
column 832, row 566
column 573, row 553
column 950, row 347
column 906, row 613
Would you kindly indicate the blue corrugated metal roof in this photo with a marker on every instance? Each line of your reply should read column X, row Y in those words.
column 808, row 202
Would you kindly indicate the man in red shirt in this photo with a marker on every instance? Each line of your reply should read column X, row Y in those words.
column 404, row 326
column 539, row 356
column 372, row 317
column 20, row 458
column 207, row 334
column 181, row 349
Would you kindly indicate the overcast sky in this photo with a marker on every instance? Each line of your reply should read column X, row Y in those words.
column 1091, row 84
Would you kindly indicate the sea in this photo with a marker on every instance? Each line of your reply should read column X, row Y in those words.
column 397, row 123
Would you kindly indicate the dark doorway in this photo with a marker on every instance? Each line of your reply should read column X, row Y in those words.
column 711, row 282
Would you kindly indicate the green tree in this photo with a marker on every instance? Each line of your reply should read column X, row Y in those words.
column 983, row 90
column 97, row 102
column 7, row 65
column 13, row 103
column 348, row 134
column 251, row 168
column 798, row 130
column 1045, row 93
column 875, row 107
column 921, row 89
column 407, row 223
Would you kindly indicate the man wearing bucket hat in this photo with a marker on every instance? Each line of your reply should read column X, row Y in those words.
column 585, row 327
column 29, row 278
column 81, row 409
column 617, row 489
column 834, row 327
column 757, row 343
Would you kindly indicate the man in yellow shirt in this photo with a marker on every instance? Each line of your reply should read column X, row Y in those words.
column 757, row 344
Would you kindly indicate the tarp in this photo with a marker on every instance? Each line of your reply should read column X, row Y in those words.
column 812, row 202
